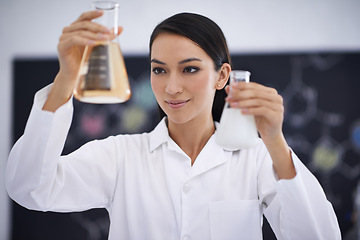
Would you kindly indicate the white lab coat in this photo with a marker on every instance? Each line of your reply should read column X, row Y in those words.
column 151, row 191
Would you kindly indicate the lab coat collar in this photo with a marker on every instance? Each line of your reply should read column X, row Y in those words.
column 211, row 156
column 159, row 135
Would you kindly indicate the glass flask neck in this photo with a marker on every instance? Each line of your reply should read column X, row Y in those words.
column 239, row 76
column 110, row 15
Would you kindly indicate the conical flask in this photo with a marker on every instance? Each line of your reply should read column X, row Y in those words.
column 102, row 76
column 236, row 130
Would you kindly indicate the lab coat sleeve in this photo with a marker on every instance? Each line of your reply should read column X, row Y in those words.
column 297, row 208
column 39, row 178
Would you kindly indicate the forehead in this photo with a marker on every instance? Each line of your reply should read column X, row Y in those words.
column 175, row 46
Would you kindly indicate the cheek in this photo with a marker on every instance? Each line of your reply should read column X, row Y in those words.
column 204, row 83
column 156, row 87
column 153, row 85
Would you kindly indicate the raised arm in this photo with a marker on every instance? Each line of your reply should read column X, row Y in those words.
column 299, row 209
column 37, row 176
column 71, row 46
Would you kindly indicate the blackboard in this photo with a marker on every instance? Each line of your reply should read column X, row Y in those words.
column 322, row 125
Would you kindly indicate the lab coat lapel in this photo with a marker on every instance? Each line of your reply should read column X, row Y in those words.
column 211, row 156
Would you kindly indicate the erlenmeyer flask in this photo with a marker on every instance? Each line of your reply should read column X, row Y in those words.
column 102, row 76
column 237, row 131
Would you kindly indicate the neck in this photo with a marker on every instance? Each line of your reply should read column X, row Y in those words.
column 192, row 136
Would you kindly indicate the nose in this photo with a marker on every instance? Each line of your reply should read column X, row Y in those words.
column 173, row 84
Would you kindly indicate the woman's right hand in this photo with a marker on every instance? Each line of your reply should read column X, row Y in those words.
column 71, row 47
column 73, row 40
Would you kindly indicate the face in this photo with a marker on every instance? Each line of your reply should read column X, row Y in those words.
column 183, row 78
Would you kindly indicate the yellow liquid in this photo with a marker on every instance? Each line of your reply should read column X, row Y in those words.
column 102, row 76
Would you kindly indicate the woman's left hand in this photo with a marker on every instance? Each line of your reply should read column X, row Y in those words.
column 264, row 103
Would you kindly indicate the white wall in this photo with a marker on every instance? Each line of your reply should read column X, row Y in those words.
column 32, row 28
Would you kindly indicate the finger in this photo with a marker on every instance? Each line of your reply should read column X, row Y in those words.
column 227, row 89
column 76, row 40
column 269, row 94
column 241, row 86
column 257, row 103
column 85, row 34
column 90, row 15
column 273, row 117
column 85, row 37
column 86, row 25
column 119, row 30
column 115, row 32
column 255, row 91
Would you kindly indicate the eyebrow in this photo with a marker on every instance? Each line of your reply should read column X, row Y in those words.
column 181, row 62
column 189, row 60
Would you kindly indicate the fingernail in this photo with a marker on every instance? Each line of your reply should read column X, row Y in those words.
column 244, row 110
column 228, row 98
column 90, row 42
column 234, row 104
column 102, row 36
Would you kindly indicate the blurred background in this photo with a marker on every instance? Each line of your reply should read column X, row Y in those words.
column 308, row 50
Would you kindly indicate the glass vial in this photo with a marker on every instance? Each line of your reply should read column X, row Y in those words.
column 102, row 75
column 237, row 131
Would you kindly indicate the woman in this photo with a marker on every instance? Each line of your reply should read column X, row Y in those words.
column 175, row 182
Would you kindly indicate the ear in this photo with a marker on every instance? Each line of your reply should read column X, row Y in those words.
column 223, row 77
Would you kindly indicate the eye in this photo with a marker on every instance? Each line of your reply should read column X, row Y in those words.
column 158, row 70
column 191, row 69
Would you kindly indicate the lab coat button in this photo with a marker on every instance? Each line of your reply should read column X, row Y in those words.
column 186, row 188
column 186, row 237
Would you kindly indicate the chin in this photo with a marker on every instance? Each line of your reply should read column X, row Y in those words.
column 182, row 119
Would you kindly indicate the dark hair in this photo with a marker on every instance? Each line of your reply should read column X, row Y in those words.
column 208, row 35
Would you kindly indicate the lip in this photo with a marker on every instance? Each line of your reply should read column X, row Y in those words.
column 175, row 104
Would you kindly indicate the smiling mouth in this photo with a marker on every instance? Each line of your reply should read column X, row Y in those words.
column 177, row 104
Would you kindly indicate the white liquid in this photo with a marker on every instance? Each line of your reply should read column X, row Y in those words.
column 236, row 131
